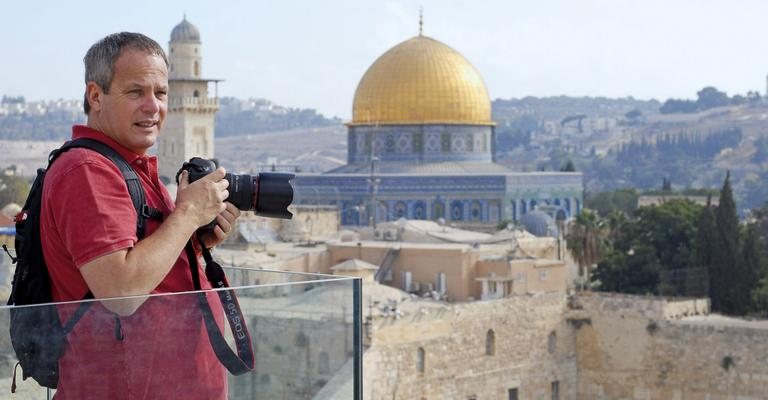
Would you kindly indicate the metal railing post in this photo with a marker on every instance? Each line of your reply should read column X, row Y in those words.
column 357, row 326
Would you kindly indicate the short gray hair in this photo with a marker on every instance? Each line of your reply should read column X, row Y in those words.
column 100, row 58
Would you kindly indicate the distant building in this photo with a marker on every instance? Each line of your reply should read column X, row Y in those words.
column 421, row 146
column 427, row 259
column 189, row 126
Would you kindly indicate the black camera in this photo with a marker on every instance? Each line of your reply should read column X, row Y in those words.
column 268, row 194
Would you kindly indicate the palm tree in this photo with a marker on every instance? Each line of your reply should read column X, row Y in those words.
column 587, row 238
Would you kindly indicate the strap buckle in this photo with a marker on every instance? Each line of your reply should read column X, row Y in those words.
column 150, row 212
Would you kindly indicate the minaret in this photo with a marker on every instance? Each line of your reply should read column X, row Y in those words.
column 189, row 125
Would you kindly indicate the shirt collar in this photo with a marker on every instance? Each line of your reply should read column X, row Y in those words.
column 82, row 131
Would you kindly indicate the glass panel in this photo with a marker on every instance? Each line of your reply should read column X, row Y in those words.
column 305, row 331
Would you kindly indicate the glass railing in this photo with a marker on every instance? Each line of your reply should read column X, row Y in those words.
column 305, row 338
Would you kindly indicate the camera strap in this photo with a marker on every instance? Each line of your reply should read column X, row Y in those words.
column 244, row 360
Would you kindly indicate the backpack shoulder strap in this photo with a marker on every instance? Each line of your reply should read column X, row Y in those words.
column 143, row 211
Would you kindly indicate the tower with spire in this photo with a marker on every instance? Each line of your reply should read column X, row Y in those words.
column 189, row 126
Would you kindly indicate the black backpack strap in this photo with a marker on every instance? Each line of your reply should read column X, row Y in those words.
column 244, row 361
column 143, row 211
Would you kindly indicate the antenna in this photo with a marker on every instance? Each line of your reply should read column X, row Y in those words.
column 421, row 19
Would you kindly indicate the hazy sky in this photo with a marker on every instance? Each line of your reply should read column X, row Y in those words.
column 312, row 53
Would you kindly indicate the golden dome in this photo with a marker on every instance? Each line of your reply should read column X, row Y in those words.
column 421, row 81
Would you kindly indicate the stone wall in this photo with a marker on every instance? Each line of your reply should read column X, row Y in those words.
column 533, row 347
column 295, row 357
column 632, row 347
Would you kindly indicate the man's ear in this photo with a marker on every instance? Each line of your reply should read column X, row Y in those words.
column 94, row 94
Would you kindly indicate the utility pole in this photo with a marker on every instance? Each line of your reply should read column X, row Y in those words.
column 373, row 181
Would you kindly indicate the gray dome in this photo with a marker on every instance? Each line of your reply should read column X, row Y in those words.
column 185, row 32
column 539, row 223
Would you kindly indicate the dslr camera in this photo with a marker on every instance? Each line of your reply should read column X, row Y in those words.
column 268, row 194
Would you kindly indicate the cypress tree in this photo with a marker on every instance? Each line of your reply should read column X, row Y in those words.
column 752, row 266
column 725, row 255
column 705, row 243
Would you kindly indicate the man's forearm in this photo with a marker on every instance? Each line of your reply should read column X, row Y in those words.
column 137, row 271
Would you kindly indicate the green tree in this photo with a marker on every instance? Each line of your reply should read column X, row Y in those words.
column 705, row 236
column 623, row 200
column 634, row 114
column 723, row 282
column 587, row 241
column 13, row 189
column 751, row 269
column 660, row 238
column 710, row 97
column 568, row 167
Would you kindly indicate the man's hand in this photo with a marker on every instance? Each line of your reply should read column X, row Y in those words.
column 138, row 270
column 202, row 200
column 225, row 221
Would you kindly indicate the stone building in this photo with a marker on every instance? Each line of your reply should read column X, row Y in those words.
column 189, row 125
column 421, row 146
column 533, row 340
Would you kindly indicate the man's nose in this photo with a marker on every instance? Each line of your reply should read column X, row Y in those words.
column 151, row 104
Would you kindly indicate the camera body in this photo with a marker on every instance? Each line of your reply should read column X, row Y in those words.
column 268, row 194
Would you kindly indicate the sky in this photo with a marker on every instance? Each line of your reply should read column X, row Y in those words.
column 312, row 53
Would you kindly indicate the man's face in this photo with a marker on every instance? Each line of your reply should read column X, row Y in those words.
column 133, row 111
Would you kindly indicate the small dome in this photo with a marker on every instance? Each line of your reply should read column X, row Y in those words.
column 421, row 81
column 185, row 32
column 539, row 223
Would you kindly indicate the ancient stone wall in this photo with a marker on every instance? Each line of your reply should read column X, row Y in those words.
column 531, row 346
column 632, row 347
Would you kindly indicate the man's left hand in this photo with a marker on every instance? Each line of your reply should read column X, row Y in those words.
column 225, row 221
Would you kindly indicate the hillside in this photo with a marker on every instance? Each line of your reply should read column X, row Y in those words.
column 616, row 142
column 52, row 120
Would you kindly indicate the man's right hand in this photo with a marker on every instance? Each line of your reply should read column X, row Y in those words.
column 202, row 200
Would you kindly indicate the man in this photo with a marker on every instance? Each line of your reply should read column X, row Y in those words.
column 137, row 348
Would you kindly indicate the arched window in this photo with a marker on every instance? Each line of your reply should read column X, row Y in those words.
column 523, row 207
column 351, row 214
column 196, row 93
column 420, row 360
column 197, row 68
column 561, row 215
column 490, row 343
column 382, row 213
column 533, row 205
column 323, row 363
column 457, row 211
column 401, row 210
column 301, row 340
column 513, row 203
column 419, row 210
column 475, row 211
column 438, row 210
column 552, row 342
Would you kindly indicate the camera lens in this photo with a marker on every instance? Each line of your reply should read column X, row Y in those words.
column 274, row 195
column 268, row 194
column 241, row 191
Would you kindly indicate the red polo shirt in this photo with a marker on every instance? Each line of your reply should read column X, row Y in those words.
column 164, row 352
